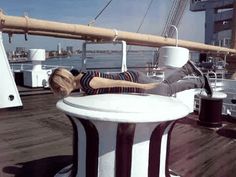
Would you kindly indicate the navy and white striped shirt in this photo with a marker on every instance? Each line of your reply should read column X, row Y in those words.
column 131, row 76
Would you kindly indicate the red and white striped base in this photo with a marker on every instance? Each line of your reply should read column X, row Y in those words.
column 104, row 149
column 121, row 135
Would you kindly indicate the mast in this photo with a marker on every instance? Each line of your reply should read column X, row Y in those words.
column 26, row 25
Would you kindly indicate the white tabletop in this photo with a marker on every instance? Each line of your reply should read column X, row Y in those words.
column 134, row 108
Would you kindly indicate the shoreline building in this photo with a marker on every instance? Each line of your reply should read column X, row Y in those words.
column 69, row 50
column 220, row 21
column 220, row 25
column 59, row 48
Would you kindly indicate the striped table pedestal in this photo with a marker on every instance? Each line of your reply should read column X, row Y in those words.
column 121, row 135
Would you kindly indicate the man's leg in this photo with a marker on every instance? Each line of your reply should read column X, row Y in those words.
column 173, row 74
column 166, row 89
column 187, row 84
column 144, row 79
column 179, row 73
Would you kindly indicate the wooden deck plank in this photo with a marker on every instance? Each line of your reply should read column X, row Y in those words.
column 36, row 141
column 37, row 132
column 200, row 151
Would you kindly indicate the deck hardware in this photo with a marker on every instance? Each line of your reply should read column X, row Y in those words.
column 91, row 23
column 26, row 36
column 11, row 97
column 116, row 35
column 10, row 37
column 27, row 25
column 233, row 101
column 177, row 34
column 210, row 111
column 225, row 58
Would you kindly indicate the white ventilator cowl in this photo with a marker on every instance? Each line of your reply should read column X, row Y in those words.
column 37, row 56
column 173, row 56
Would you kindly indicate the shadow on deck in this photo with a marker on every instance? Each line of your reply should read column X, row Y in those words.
column 46, row 167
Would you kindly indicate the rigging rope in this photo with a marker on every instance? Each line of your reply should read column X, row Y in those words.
column 180, row 12
column 170, row 17
column 175, row 16
column 142, row 21
column 94, row 20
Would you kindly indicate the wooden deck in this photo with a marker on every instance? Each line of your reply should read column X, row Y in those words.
column 36, row 141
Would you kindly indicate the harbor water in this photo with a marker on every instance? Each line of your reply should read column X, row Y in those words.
column 97, row 61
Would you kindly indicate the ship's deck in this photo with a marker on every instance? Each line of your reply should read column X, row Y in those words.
column 36, row 141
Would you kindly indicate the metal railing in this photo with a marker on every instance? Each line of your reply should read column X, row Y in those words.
column 24, row 66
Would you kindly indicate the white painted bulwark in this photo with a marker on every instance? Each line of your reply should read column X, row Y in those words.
column 9, row 95
column 121, row 134
column 172, row 56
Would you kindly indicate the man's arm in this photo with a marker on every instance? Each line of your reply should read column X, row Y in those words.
column 98, row 82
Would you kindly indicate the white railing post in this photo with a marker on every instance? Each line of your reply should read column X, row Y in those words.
column 124, row 57
column 84, row 59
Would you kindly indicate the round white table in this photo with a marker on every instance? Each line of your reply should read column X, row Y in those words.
column 121, row 135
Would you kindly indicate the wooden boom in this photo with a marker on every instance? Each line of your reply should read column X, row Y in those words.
column 26, row 25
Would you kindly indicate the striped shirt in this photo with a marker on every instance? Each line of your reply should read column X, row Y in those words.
column 128, row 76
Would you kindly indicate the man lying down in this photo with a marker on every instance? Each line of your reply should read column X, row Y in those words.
column 62, row 82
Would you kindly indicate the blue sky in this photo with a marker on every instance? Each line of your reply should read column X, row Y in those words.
column 121, row 14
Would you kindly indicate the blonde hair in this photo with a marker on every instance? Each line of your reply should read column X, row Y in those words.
column 61, row 82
